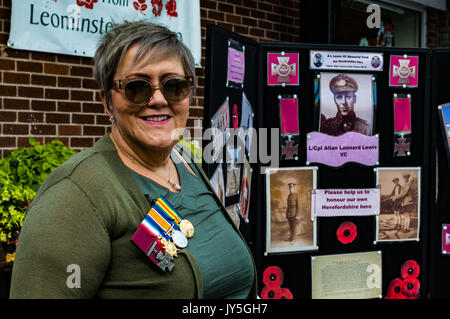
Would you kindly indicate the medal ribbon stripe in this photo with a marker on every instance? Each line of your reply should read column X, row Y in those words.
column 149, row 229
column 168, row 209
column 155, row 219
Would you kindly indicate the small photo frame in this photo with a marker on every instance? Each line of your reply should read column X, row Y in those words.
column 445, row 248
column 444, row 115
column 218, row 183
column 404, row 71
column 233, row 212
column 244, row 195
column 220, row 122
column 233, row 179
column 246, row 124
column 282, row 68
column 399, row 218
column 236, row 65
column 289, row 227
column 346, row 101
column 402, row 125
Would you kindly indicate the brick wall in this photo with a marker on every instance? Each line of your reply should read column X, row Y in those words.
column 45, row 95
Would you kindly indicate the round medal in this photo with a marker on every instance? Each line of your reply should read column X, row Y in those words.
column 170, row 247
column 179, row 239
column 187, row 228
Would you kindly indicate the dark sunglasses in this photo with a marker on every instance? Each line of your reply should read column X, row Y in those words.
column 140, row 91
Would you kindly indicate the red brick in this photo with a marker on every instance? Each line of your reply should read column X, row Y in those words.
column 226, row 8
column 18, row 104
column 43, row 105
column 81, row 142
column 83, row 119
column 94, row 130
column 19, row 54
column 208, row 4
column 54, row 68
column 59, row 94
column 214, row 15
column 57, row 118
column 6, row 116
column 6, row 64
column 102, row 120
column 17, row 78
column 29, row 66
column 81, row 71
column 7, row 141
column 8, row 90
column 66, row 106
column 15, row 129
column 24, row 141
column 69, row 129
column 93, row 108
column 43, row 56
column 31, row 117
column 233, row 18
column 68, row 59
column 47, row 80
column 41, row 129
column 90, row 84
column 81, row 95
column 27, row 91
column 69, row 82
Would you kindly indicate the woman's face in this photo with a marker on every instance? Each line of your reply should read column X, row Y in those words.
column 158, row 124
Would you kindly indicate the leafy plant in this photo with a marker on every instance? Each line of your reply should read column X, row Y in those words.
column 22, row 172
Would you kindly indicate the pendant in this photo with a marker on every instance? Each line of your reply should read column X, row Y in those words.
column 175, row 185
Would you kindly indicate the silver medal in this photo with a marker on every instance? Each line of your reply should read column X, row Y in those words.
column 179, row 239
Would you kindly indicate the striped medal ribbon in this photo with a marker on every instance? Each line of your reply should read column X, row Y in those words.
column 168, row 229
column 163, row 206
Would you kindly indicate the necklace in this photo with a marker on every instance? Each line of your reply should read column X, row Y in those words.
column 169, row 180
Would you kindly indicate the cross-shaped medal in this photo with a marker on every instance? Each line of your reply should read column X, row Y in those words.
column 401, row 147
column 165, row 261
column 404, row 71
column 289, row 150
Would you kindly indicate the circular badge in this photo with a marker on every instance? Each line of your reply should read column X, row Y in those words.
column 179, row 239
column 346, row 232
column 187, row 228
column 273, row 276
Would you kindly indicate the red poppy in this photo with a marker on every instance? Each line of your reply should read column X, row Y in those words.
column 286, row 294
column 410, row 286
column 271, row 293
column 273, row 276
column 395, row 289
column 346, row 232
column 410, row 269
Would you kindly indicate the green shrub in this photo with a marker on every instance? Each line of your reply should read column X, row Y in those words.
column 22, row 171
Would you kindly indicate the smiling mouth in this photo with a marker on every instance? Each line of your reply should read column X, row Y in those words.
column 158, row 118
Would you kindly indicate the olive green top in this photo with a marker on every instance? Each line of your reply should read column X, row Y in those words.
column 75, row 241
column 224, row 260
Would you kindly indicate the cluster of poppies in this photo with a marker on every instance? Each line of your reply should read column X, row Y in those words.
column 273, row 279
column 408, row 286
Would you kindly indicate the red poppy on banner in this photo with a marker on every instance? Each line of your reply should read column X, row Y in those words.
column 89, row 4
column 410, row 286
column 346, row 232
column 171, row 7
column 286, row 294
column 395, row 289
column 410, row 268
column 157, row 6
column 271, row 293
column 273, row 276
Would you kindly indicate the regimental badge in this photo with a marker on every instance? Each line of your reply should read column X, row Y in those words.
column 282, row 69
column 404, row 71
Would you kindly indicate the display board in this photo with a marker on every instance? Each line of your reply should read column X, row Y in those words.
column 340, row 194
column 440, row 186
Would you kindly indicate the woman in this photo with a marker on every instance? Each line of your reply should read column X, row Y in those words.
column 88, row 233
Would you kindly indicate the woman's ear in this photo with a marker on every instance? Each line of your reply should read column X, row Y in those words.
column 105, row 102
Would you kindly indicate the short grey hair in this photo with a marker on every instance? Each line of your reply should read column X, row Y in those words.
column 154, row 42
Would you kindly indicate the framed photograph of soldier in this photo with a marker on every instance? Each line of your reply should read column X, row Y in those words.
column 282, row 68
column 399, row 218
column 346, row 102
column 404, row 71
column 289, row 227
column 402, row 125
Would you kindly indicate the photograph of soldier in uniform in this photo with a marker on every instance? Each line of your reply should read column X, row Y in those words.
column 289, row 224
column 399, row 217
column 346, row 103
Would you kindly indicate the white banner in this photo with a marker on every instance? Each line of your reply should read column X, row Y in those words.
column 339, row 60
column 74, row 27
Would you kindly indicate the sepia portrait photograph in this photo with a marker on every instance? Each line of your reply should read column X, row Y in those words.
column 399, row 217
column 346, row 103
column 289, row 227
